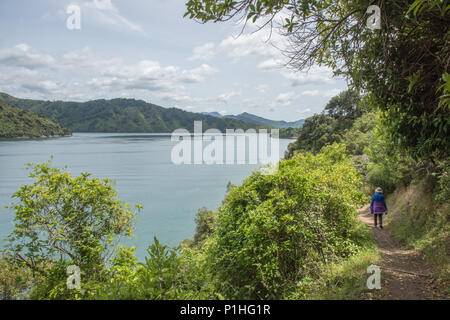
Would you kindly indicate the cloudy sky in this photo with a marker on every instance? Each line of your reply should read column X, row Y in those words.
column 145, row 49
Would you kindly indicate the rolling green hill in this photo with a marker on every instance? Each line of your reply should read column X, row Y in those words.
column 122, row 115
column 251, row 118
column 18, row 123
column 248, row 117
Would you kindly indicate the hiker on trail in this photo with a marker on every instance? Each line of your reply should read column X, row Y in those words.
column 378, row 206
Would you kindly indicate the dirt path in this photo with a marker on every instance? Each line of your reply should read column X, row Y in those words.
column 404, row 273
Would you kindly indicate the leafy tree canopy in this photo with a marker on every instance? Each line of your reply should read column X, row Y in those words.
column 403, row 65
column 275, row 230
column 344, row 105
column 331, row 125
column 62, row 220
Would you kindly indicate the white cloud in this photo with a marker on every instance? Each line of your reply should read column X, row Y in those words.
column 178, row 98
column 315, row 75
column 261, row 88
column 252, row 44
column 197, row 74
column 326, row 93
column 204, row 52
column 271, row 64
column 43, row 87
column 225, row 97
column 310, row 93
column 304, row 111
column 81, row 73
column 269, row 46
column 24, row 56
column 285, row 99
column 150, row 75
column 104, row 5
column 332, row 92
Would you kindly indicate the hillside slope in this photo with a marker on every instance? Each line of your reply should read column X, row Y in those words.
column 251, row 118
column 19, row 123
column 248, row 117
column 421, row 222
column 123, row 115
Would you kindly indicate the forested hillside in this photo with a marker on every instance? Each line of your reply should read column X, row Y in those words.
column 248, row 117
column 123, row 115
column 19, row 123
column 329, row 126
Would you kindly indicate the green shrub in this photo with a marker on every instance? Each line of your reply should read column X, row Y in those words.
column 62, row 220
column 380, row 176
column 443, row 181
column 15, row 279
column 205, row 223
column 421, row 222
column 361, row 134
column 167, row 273
column 274, row 230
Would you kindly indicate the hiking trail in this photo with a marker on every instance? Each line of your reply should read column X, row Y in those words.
column 404, row 273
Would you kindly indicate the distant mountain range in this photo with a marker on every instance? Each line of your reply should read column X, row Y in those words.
column 123, row 115
column 251, row 118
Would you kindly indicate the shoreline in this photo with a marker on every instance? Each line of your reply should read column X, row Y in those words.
column 34, row 137
column 104, row 132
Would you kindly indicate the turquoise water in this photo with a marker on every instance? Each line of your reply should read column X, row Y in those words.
column 144, row 173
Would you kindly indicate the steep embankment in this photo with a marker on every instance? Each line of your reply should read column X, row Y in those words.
column 419, row 221
column 19, row 123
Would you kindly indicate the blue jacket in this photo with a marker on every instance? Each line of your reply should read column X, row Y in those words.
column 378, row 204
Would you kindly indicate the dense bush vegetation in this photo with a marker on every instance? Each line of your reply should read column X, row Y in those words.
column 274, row 237
column 328, row 127
column 289, row 235
column 16, row 122
column 15, row 278
column 275, row 230
column 270, row 233
column 206, row 223
column 288, row 132
column 62, row 220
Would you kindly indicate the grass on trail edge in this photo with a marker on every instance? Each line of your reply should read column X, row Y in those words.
column 345, row 279
column 421, row 223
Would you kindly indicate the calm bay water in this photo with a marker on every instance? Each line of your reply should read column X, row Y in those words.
column 144, row 173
